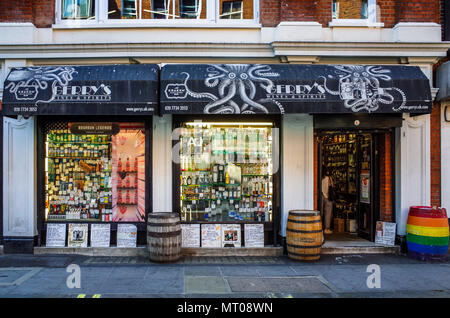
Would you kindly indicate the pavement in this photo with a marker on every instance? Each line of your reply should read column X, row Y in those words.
column 333, row 276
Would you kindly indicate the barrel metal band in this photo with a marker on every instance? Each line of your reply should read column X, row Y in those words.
column 304, row 222
column 304, row 232
column 163, row 224
column 303, row 214
column 165, row 234
column 304, row 246
column 304, row 255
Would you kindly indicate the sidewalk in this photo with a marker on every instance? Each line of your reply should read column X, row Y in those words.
column 218, row 277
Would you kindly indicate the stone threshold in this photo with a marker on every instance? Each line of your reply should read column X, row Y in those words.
column 143, row 252
column 361, row 250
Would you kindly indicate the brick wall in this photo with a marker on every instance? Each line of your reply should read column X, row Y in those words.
column 390, row 12
column 39, row 12
column 435, row 145
column 417, row 11
column 386, row 179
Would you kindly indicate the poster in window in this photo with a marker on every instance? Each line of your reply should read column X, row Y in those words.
column 211, row 235
column 365, row 187
column 56, row 235
column 385, row 233
column 231, row 235
column 254, row 235
column 190, row 235
column 77, row 236
column 126, row 235
column 100, row 235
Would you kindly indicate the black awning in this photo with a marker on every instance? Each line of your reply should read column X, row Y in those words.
column 275, row 89
column 82, row 90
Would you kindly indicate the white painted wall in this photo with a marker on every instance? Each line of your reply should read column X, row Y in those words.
column 162, row 164
column 19, row 178
column 445, row 158
column 413, row 170
column 297, row 180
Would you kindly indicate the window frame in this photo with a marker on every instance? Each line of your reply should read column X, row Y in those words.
column 101, row 17
column 370, row 21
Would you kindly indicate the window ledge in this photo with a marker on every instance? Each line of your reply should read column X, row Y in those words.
column 355, row 23
column 144, row 25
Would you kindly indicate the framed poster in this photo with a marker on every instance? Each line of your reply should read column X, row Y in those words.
column 211, row 235
column 78, row 235
column 365, row 187
column 190, row 235
column 385, row 233
column 100, row 235
column 231, row 235
column 126, row 235
column 56, row 235
column 254, row 235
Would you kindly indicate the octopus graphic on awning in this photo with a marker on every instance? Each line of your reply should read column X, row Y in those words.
column 236, row 87
column 26, row 82
column 360, row 88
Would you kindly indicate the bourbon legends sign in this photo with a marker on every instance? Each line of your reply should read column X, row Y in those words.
column 81, row 90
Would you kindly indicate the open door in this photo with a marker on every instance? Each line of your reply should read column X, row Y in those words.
column 366, row 181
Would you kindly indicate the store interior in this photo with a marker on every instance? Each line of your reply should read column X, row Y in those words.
column 346, row 156
column 226, row 172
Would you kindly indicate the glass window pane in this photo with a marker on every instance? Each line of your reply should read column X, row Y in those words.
column 236, row 9
column 350, row 9
column 78, row 9
column 95, row 176
column 226, row 172
column 189, row 9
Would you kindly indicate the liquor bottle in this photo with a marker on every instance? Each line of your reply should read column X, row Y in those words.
column 127, row 197
column 136, row 196
column 135, row 181
column 119, row 165
column 119, row 196
column 135, row 164
column 127, row 182
column 227, row 178
column 127, row 164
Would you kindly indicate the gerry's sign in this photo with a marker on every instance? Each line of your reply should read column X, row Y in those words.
column 100, row 92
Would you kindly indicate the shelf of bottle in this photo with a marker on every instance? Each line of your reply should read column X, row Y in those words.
column 203, row 199
column 339, row 143
column 72, row 220
column 126, row 188
column 196, row 185
column 127, row 204
column 223, row 184
column 73, row 157
column 196, row 170
column 131, row 171
column 79, row 142
column 255, row 175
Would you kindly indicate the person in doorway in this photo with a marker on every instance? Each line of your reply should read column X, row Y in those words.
column 327, row 201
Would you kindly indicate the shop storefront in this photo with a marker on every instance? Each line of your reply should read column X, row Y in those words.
column 355, row 112
column 93, row 139
column 238, row 146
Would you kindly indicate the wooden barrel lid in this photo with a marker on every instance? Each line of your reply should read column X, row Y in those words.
column 304, row 212
column 163, row 215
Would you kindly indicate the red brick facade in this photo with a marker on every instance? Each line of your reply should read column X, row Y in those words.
column 390, row 12
column 386, row 178
column 435, row 160
column 40, row 12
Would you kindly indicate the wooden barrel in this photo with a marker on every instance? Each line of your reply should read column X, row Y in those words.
column 427, row 232
column 304, row 235
column 164, row 237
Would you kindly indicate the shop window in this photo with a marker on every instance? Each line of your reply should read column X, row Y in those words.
column 226, row 172
column 78, row 9
column 145, row 11
column 354, row 10
column 95, row 176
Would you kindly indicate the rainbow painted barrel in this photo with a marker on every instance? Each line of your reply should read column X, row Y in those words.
column 427, row 232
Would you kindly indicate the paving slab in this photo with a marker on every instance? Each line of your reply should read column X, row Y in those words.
column 277, row 284
column 206, row 285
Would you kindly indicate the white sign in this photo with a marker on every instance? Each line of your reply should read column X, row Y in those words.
column 126, row 235
column 100, row 235
column 211, row 235
column 254, row 235
column 56, row 235
column 231, row 235
column 385, row 233
column 77, row 236
column 190, row 235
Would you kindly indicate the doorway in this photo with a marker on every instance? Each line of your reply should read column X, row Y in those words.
column 350, row 158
